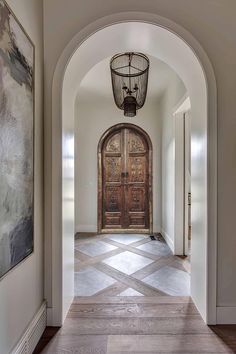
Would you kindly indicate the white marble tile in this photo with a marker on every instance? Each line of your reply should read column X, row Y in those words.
column 130, row 292
column 126, row 239
column 170, row 280
column 89, row 281
column 156, row 247
column 128, row 262
column 94, row 249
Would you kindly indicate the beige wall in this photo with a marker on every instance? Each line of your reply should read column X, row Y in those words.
column 91, row 121
column 21, row 291
column 215, row 29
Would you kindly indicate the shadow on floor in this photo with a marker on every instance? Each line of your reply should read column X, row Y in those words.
column 47, row 336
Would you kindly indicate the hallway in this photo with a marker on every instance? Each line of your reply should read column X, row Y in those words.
column 131, row 297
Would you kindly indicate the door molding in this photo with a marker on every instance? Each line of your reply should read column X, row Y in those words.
column 102, row 140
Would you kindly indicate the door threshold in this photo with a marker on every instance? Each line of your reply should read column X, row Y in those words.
column 125, row 231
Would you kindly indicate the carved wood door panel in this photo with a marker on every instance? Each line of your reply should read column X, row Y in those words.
column 125, row 162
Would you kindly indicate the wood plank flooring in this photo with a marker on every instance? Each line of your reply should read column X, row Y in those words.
column 141, row 325
column 154, row 322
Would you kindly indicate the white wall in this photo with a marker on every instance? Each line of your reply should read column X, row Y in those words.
column 21, row 290
column 63, row 22
column 169, row 100
column 93, row 116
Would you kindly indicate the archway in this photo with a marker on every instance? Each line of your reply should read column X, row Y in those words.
column 125, row 197
column 176, row 47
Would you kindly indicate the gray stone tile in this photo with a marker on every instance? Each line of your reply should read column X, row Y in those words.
column 170, row 280
column 89, row 281
column 156, row 247
column 128, row 262
column 94, row 249
column 130, row 292
column 77, row 260
column 126, row 239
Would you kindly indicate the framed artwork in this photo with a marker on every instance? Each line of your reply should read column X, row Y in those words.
column 16, row 141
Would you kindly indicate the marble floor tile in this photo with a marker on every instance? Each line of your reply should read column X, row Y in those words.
column 94, row 249
column 128, row 262
column 126, row 239
column 89, row 281
column 77, row 260
column 170, row 280
column 130, row 292
column 156, row 247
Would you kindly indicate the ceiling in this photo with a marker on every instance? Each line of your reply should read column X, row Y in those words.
column 97, row 81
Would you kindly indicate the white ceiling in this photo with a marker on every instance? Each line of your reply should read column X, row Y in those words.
column 98, row 80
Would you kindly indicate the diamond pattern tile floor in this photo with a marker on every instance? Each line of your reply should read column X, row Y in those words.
column 128, row 265
column 170, row 280
column 156, row 247
column 128, row 262
column 95, row 249
column 126, row 239
column 89, row 281
column 130, row 292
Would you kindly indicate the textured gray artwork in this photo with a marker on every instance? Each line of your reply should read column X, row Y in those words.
column 16, row 141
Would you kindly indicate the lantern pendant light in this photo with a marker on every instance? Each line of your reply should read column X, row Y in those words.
column 129, row 75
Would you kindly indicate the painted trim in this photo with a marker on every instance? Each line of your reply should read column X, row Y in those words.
column 168, row 240
column 183, row 105
column 179, row 181
column 226, row 315
column 33, row 333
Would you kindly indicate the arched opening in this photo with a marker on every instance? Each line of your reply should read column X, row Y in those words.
column 125, row 180
column 167, row 42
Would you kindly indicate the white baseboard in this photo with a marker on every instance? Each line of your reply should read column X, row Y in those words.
column 226, row 315
column 168, row 240
column 33, row 333
column 53, row 318
column 50, row 317
column 86, row 228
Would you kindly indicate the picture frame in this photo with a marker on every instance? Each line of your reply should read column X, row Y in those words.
column 17, row 137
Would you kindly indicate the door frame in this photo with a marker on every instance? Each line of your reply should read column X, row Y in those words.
column 180, row 110
column 103, row 138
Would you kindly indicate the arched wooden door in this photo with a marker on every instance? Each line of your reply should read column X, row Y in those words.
column 125, row 180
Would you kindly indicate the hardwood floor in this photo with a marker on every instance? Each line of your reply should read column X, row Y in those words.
column 105, row 322
column 142, row 325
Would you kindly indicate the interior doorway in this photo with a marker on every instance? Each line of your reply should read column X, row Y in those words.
column 182, row 52
column 125, row 180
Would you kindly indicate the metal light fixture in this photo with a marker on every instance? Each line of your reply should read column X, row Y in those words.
column 129, row 75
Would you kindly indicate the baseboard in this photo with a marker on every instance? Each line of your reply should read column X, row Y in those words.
column 86, row 228
column 33, row 333
column 168, row 240
column 226, row 315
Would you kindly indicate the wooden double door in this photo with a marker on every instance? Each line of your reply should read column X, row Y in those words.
column 125, row 173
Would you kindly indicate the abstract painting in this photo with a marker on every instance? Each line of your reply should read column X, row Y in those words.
column 16, row 141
